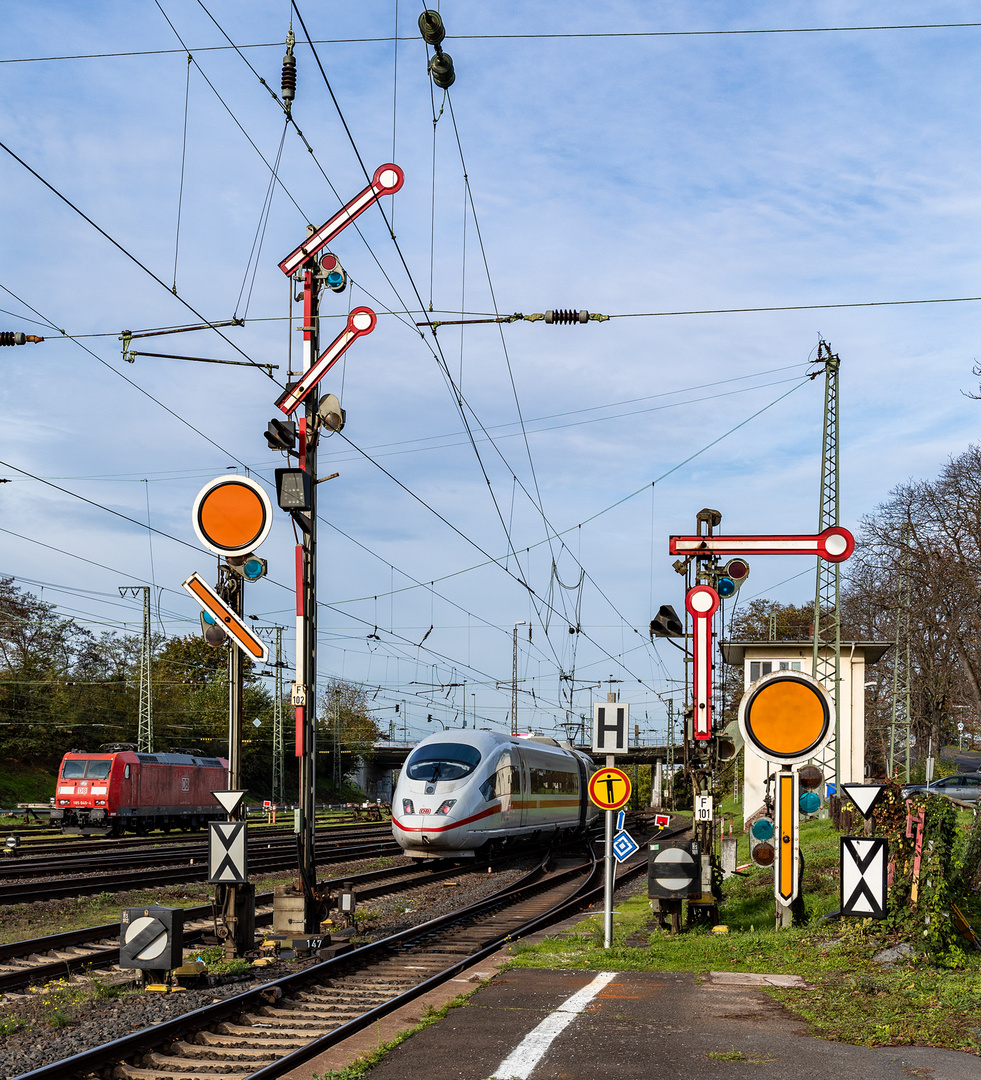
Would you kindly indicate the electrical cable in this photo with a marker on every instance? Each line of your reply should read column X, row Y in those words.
column 441, row 360
column 136, row 386
column 516, row 37
column 619, row 502
column 180, row 193
column 129, row 255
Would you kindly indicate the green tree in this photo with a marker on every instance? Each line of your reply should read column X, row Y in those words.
column 346, row 731
column 38, row 650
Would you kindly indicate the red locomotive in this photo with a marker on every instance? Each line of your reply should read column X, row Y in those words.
column 120, row 789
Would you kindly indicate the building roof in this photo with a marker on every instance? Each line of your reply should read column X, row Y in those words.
column 734, row 652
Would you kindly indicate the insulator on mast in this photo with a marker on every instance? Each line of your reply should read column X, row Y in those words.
column 567, row 316
column 288, row 91
column 15, row 337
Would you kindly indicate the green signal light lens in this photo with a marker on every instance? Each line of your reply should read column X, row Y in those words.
column 810, row 802
column 762, row 829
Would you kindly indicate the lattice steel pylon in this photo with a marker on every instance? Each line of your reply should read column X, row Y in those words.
column 278, row 783
column 144, row 738
column 826, row 662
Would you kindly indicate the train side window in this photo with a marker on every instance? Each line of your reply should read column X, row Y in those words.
column 554, row 782
column 126, row 773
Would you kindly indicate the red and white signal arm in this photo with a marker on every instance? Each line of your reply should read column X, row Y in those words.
column 386, row 181
column 834, row 545
column 702, row 602
column 360, row 321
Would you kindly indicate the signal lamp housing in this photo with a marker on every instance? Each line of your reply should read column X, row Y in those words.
column 281, row 434
column 666, row 623
column 332, row 273
column 294, row 491
column 250, row 566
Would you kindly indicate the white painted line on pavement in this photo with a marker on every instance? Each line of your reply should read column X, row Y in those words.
column 526, row 1055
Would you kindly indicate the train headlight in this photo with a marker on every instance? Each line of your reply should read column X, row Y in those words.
column 446, row 805
column 407, row 807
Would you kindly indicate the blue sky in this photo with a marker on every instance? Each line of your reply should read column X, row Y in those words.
column 609, row 169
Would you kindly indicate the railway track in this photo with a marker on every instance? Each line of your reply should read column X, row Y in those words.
column 55, row 843
column 109, row 874
column 39, row 960
column 274, row 1027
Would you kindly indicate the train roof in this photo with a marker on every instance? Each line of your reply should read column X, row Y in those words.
column 487, row 741
column 152, row 759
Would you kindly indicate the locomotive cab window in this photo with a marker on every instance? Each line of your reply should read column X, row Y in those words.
column 442, row 761
column 92, row 769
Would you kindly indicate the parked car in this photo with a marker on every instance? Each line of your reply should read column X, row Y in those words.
column 963, row 786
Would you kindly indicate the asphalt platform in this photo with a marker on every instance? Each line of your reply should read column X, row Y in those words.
column 530, row 1024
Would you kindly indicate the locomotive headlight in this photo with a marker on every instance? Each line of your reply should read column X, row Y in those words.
column 446, row 805
column 407, row 807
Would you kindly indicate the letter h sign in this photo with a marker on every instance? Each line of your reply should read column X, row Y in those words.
column 611, row 724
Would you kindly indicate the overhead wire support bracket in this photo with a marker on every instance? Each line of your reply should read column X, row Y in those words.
column 130, row 357
column 128, row 335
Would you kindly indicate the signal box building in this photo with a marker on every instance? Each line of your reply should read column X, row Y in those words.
column 759, row 658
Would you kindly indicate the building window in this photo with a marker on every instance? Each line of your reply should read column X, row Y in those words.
column 759, row 668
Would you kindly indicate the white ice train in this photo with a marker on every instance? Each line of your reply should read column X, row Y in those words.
column 461, row 791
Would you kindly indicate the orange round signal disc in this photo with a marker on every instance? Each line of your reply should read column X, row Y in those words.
column 787, row 717
column 232, row 515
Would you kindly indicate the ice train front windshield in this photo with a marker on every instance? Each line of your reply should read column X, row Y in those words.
column 442, row 761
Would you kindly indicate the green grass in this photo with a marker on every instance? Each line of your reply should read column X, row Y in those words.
column 851, row 997
column 25, row 784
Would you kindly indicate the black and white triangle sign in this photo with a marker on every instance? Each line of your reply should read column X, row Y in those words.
column 229, row 799
column 228, row 852
column 864, row 796
column 864, row 866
